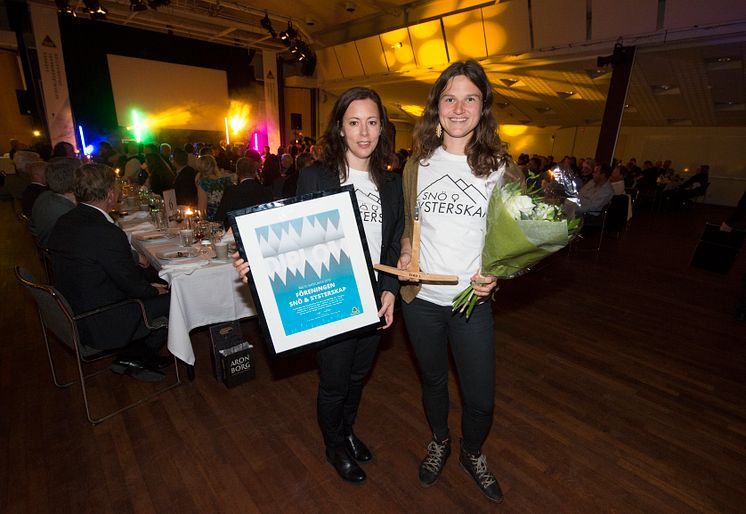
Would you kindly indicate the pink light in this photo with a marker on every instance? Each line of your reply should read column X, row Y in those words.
column 256, row 141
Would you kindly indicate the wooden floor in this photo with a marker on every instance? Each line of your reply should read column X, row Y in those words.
column 621, row 387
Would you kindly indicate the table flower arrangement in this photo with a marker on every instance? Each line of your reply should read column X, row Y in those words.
column 524, row 226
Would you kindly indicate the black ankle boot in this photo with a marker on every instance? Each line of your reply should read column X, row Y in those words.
column 476, row 466
column 432, row 465
column 345, row 465
column 357, row 449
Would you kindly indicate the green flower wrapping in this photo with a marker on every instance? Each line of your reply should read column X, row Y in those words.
column 522, row 229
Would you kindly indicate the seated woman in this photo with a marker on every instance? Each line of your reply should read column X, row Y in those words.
column 161, row 177
column 210, row 185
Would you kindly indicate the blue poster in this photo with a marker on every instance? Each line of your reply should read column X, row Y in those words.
column 310, row 271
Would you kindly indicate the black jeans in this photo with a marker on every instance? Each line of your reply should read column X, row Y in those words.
column 343, row 367
column 430, row 328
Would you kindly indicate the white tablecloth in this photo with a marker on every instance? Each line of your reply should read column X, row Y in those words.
column 200, row 296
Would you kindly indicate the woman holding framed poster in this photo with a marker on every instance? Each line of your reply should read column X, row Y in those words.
column 355, row 150
column 457, row 160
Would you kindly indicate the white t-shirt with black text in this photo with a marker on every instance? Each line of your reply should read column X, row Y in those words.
column 369, row 203
column 453, row 209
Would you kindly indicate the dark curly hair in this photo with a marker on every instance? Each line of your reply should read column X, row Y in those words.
column 334, row 149
column 484, row 151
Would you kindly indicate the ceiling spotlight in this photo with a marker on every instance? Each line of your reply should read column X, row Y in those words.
column 95, row 9
column 298, row 47
column 266, row 24
column 286, row 36
column 596, row 72
column 63, row 7
column 138, row 5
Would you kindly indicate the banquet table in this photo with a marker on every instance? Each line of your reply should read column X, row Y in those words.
column 204, row 291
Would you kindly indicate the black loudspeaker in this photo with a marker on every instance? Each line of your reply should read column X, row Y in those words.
column 296, row 121
column 25, row 101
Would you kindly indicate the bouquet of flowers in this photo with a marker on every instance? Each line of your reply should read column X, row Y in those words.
column 525, row 225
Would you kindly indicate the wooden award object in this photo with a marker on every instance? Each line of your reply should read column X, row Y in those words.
column 413, row 271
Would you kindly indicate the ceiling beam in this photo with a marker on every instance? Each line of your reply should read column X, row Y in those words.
column 395, row 18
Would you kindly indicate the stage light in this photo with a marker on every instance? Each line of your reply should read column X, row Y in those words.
column 63, row 7
column 138, row 5
column 286, row 36
column 266, row 24
column 136, row 125
column 95, row 9
column 87, row 149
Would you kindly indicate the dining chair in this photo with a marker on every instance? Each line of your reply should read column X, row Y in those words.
column 56, row 317
column 617, row 216
column 593, row 222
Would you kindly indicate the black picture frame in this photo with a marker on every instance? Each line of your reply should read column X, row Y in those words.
column 269, row 254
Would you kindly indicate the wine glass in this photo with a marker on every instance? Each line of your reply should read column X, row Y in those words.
column 217, row 231
column 200, row 230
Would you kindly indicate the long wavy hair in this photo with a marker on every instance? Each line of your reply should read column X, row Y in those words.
column 484, row 152
column 207, row 167
column 334, row 149
column 156, row 164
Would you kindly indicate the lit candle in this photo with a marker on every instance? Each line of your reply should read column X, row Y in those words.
column 188, row 217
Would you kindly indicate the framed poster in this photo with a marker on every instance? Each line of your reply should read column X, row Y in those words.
column 311, row 274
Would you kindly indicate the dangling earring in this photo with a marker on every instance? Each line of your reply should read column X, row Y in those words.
column 439, row 131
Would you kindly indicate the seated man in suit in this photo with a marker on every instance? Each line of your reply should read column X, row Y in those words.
column 249, row 190
column 184, row 185
column 93, row 267
column 37, row 171
column 57, row 201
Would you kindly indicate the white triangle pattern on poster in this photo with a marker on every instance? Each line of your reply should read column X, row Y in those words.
column 319, row 257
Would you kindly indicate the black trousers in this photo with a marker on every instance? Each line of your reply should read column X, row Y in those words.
column 343, row 367
column 145, row 342
column 430, row 329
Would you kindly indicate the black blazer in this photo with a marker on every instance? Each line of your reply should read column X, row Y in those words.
column 246, row 194
column 29, row 196
column 318, row 178
column 93, row 266
column 185, row 187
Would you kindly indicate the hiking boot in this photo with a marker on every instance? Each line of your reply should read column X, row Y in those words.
column 476, row 466
column 432, row 465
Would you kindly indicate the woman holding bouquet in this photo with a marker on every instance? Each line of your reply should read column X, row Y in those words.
column 355, row 149
column 457, row 160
